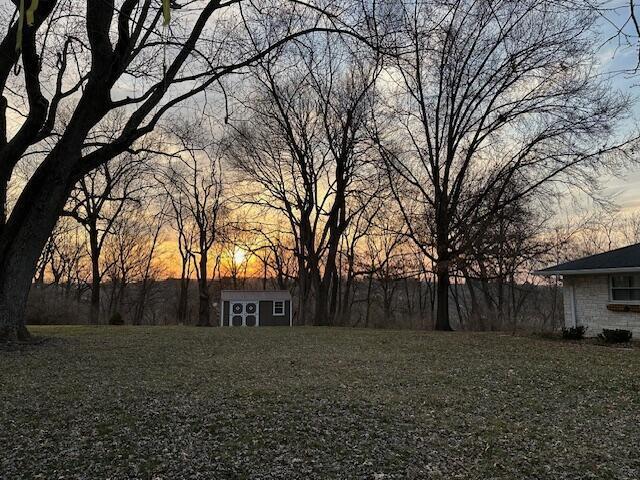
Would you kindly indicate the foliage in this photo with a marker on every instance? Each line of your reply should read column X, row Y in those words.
column 616, row 336
column 313, row 403
column 574, row 333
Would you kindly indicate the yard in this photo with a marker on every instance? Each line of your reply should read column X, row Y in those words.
column 166, row 403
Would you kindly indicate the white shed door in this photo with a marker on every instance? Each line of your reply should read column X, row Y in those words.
column 244, row 314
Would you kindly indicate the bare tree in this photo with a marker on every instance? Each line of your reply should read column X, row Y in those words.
column 93, row 58
column 64, row 259
column 194, row 185
column 131, row 253
column 383, row 263
column 500, row 263
column 371, row 210
column 304, row 145
column 150, row 269
column 488, row 103
column 186, row 240
column 276, row 255
column 97, row 202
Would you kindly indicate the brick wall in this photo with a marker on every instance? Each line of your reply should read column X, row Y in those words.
column 591, row 299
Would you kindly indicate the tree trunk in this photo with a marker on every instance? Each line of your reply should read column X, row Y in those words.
column 183, row 300
column 122, row 292
column 203, row 309
column 462, row 320
column 369, row 290
column 21, row 242
column 94, row 253
column 138, row 315
column 477, row 311
column 321, row 313
column 303, row 292
column 387, row 300
column 94, row 310
column 265, row 274
column 183, row 295
column 442, row 298
column 203, row 293
column 345, row 310
column 334, row 301
column 12, row 309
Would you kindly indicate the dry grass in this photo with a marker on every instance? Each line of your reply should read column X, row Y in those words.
column 167, row 403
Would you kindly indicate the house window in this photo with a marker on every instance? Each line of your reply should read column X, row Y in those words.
column 625, row 288
column 278, row 308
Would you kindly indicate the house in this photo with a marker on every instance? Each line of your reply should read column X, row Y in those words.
column 254, row 308
column 602, row 291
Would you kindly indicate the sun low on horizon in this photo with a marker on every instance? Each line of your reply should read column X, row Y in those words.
column 239, row 255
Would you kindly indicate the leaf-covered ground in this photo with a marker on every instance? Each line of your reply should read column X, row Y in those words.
column 171, row 403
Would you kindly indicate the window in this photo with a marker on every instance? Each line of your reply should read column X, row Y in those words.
column 278, row 308
column 625, row 288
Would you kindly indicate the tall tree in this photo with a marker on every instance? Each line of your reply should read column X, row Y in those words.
column 499, row 264
column 131, row 256
column 489, row 102
column 305, row 146
column 195, row 188
column 97, row 202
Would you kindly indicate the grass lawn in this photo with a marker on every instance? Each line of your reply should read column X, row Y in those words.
column 168, row 403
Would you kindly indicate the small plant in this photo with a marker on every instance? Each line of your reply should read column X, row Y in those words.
column 574, row 333
column 116, row 319
column 616, row 336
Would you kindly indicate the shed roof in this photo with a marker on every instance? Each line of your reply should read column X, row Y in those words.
column 255, row 295
column 621, row 260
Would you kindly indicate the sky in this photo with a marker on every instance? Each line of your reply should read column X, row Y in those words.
column 624, row 189
column 614, row 58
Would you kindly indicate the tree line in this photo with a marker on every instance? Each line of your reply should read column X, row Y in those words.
column 341, row 142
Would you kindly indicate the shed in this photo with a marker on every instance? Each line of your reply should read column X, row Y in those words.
column 601, row 291
column 253, row 308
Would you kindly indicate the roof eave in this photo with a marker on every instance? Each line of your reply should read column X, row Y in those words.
column 590, row 271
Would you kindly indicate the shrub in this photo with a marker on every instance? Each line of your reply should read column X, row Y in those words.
column 116, row 319
column 616, row 336
column 574, row 333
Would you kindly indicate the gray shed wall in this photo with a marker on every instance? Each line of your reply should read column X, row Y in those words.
column 265, row 308
column 267, row 318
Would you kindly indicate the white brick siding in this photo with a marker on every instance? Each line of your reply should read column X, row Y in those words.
column 591, row 299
